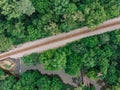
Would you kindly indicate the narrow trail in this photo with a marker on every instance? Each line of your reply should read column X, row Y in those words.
column 60, row 39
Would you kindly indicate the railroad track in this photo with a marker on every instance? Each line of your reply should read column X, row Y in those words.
column 60, row 39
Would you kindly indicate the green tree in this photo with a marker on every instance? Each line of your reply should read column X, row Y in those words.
column 46, row 18
column 112, row 8
column 27, row 81
column 89, row 59
column 53, row 60
column 33, row 80
column 91, row 41
column 56, row 84
column 9, row 9
column 51, row 28
column 94, row 12
column 25, row 7
column 32, row 59
column 2, row 75
column 72, row 66
column 71, row 21
column 104, row 38
column 117, row 37
column 16, row 31
column 44, row 83
column 8, row 83
column 5, row 43
column 33, row 33
column 42, row 6
column 59, row 6
column 71, row 8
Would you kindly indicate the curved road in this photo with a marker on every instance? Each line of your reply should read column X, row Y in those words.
column 60, row 39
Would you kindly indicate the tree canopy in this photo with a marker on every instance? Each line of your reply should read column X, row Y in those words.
column 33, row 80
column 27, row 20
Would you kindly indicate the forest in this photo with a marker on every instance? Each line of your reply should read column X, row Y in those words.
column 26, row 20
column 94, row 55
column 97, row 56
column 32, row 80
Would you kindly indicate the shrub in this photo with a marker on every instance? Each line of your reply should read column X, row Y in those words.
column 32, row 59
column 5, row 43
column 72, row 65
column 53, row 60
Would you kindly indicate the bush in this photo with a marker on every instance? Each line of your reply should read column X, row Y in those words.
column 72, row 65
column 25, row 7
column 2, row 74
column 56, row 84
column 5, row 43
column 59, row 6
column 71, row 8
column 44, row 83
column 51, row 28
column 32, row 59
column 90, row 42
column 32, row 80
column 42, row 6
column 53, row 59
column 94, row 13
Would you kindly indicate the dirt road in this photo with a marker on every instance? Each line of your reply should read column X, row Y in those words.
column 60, row 40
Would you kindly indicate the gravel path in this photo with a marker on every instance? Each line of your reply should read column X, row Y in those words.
column 60, row 39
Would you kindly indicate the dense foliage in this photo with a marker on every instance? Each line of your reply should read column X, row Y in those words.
column 31, row 60
column 52, row 60
column 33, row 80
column 26, row 20
column 5, row 43
column 98, row 56
column 2, row 74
